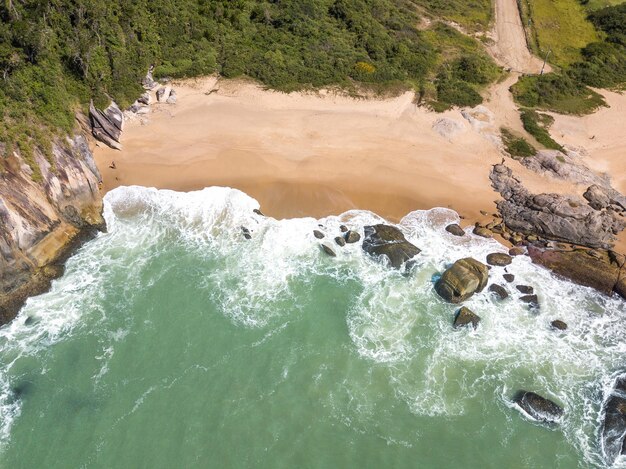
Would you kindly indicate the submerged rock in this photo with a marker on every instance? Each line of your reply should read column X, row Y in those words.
column 340, row 241
column 328, row 250
column 532, row 300
column 537, row 407
column 465, row 317
column 614, row 421
column 558, row 325
column 499, row 259
column 246, row 232
column 455, row 229
column 499, row 291
column 509, row 277
column 388, row 241
column 352, row 237
column 258, row 212
column 465, row 277
column 318, row 234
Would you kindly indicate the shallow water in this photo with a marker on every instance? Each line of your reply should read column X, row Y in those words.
column 171, row 341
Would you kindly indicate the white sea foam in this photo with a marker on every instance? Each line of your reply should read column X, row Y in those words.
column 395, row 321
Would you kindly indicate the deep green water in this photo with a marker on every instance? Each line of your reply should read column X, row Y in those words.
column 171, row 341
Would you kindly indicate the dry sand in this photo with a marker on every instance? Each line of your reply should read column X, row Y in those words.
column 309, row 154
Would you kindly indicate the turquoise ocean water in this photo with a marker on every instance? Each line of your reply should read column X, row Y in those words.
column 172, row 342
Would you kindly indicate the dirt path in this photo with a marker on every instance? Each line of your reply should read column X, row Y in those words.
column 510, row 49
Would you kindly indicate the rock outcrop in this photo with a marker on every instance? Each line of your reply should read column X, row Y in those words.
column 499, row 259
column 388, row 242
column 43, row 214
column 614, row 421
column 107, row 125
column 537, row 407
column 465, row 277
column 465, row 317
column 553, row 216
column 606, row 274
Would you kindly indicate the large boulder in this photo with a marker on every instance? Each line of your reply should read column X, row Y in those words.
column 614, row 424
column 455, row 229
column 107, row 125
column 465, row 277
column 604, row 274
column 499, row 259
column 537, row 407
column 385, row 241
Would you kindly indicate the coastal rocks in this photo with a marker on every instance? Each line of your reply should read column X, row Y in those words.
column 537, row 407
column 107, row 125
column 246, row 232
column 483, row 232
column 553, row 216
column 465, row 317
column 499, row 259
column 328, row 250
column 531, row 300
column 148, row 82
column 605, row 275
column 614, row 421
column 166, row 94
column 499, row 291
column 386, row 241
column 455, row 229
column 459, row 282
column 352, row 237
column 42, row 222
column 448, row 128
column 509, row 277
column 318, row 234
column 525, row 289
column 340, row 241
column 517, row 251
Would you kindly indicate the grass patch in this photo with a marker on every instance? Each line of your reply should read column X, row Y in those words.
column 560, row 26
column 556, row 92
column 537, row 125
column 592, row 5
column 473, row 15
column 516, row 146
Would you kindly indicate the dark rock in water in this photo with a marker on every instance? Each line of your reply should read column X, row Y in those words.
column 465, row 317
column 614, row 424
column 343, row 228
column 246, row 232
column 455, row 229
column 559, row 325
column 465, row 277
column 483, row 232
column 30, row 320
column 500, row 291
column 537, row 407
column 352, row 237
column 525, row 289
column 340, row 241
column 583, row 269
column 22, row 389
column 388, row 241
column 107, row 125
column 532, row 300
column 258, row 212
column 328, row 250
column 509, row 277
column 318, row 234
column 498, row 259
column 517, row 251
column 553, row 216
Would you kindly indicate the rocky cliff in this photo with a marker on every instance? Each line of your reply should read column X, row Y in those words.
column 43, row 217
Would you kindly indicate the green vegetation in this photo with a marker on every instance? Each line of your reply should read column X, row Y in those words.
column 591, row 5
column 537, row 125
column 56, row 56
column 474, row 15
column 516, row 146
column 602, row 64
column 559, row 26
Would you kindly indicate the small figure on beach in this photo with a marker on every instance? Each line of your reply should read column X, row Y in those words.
column 112, row 165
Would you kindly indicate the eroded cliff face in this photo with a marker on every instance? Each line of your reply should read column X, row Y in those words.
column 42, row 221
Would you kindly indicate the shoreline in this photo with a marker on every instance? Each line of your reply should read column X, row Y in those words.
column 319, row 153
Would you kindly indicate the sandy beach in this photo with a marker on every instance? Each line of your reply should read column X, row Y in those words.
column 310, row 154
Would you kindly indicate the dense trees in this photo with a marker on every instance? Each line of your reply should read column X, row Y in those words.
column 55, row 55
